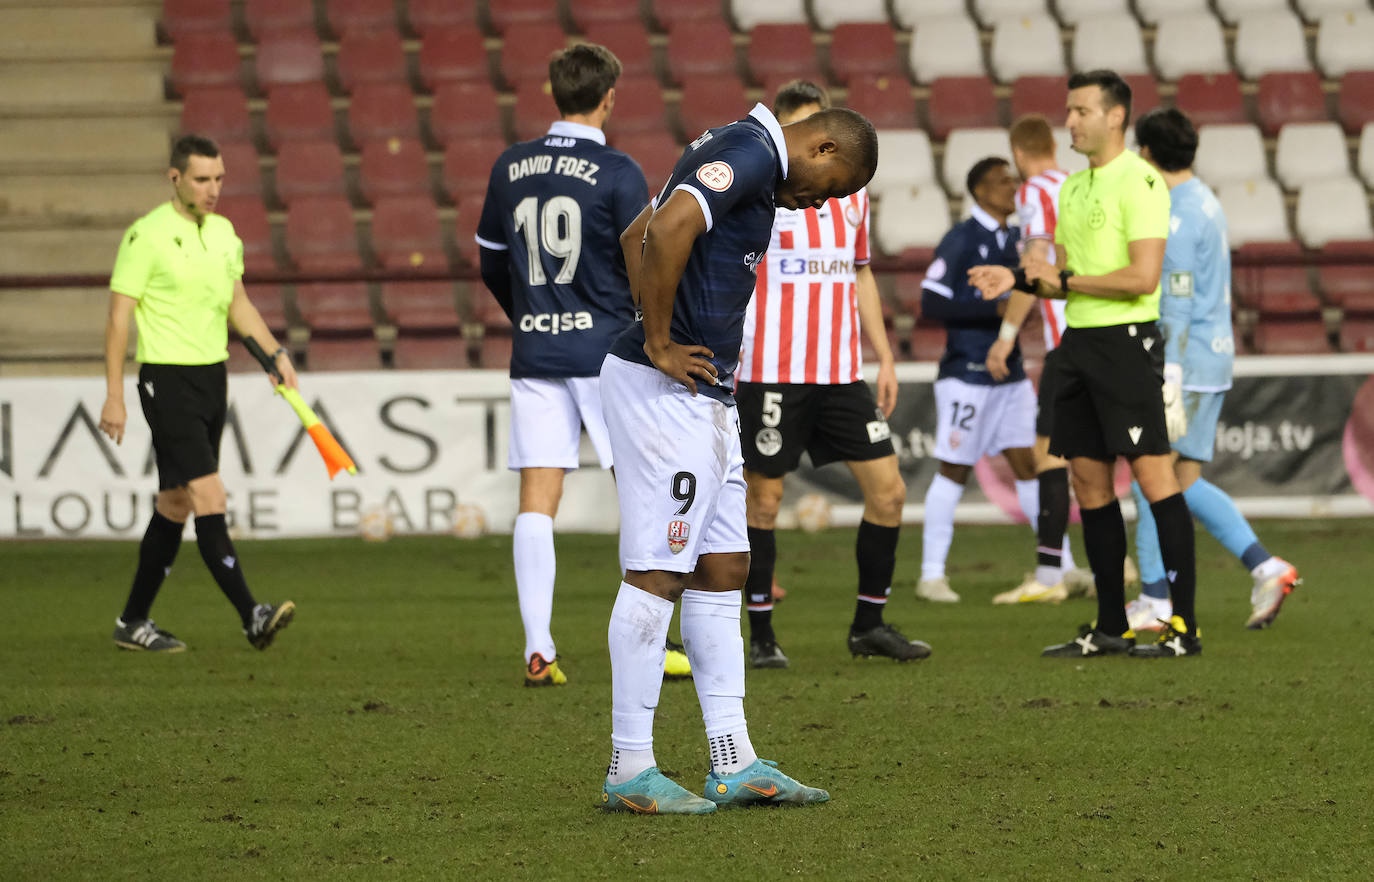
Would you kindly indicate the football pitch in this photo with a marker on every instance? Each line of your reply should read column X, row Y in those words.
column 387, row 735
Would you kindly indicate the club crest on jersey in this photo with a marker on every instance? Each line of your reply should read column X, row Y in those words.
column 678, row 531
column 717, row 176
column 851, row 214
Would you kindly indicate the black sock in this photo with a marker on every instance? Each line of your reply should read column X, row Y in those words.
column 1104, row 537
column 1054, row 517
column 1174, row 524
column 218, row 552
column 876, row 552
column 758, row 586
column 156, row 552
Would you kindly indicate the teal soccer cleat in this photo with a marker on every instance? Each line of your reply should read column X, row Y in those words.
column 653, row 793
column 760, row 784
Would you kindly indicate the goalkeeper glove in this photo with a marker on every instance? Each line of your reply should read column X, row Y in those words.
column 1175, row 420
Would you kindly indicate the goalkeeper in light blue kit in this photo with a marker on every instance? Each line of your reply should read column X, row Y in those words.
column 1195, row 318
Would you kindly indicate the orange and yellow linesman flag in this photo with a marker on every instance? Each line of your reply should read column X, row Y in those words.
column 336, row 459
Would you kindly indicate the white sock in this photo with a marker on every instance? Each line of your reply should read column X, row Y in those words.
column 534, row 573
column 1267, row 570
column 639, row 627
column 1066, row 559
column 711, row 635
column 941, row 500
column 1028, row 495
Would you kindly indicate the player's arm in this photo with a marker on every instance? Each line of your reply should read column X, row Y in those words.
column 1138, row 278
column 496, row 276
column 493, row 251
column 944, row 284
column 113, row 415
column 632, row 246
column 871, row 320
column 668, row 240
column 247, row 321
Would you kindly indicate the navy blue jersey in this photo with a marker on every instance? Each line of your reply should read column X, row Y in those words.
column 557, row 205
column 971, row 323
column 733, row 172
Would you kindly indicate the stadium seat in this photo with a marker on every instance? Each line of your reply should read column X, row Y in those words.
column 672, row 14
column 1348, row 287
column 266, row 17
column 1152, row 11
column 783, row 52
column 359, row 354
column 465, row 228
column 1144, row 94
column 1345, row 41
column 908, row 14
column 709, row 101
column 963, row 148
column 588, row 15
column 1333, row 209
column 513, row 17
column 832, row 14
column 467, row 166
column 525, row 55
column 447, row 352
column 1229, row 153
column 639, row 107
column 1356, row 100
column 1043, row 95
column 1270, row 41
column 656, row 153
column 1027, row 46
column 1310, row 152
column 905, row 160
column 1231, row 11
column 1288, row 98
column 249, row 218
column 320, row 235
column 863, row 49
column 1111, row 41
column 481, row 308
column 1357, row 334
column 1210, row 99
column 351, row 16
column 182, row 17
column 203, row 60
column 1287, row 337
column 1312, row 10
column 300, row 112
column 242, row 175
column 1254, row 212
column 495, row 351
column 748, row 14
column 967, row 103
column 990, row 12
column 700, row 48
column 427, row 15
column 453, row 54
column 1190, row 43
column 534, row 109
column 220, row 112
column 288, row 58
column 1365, row 157
column 406, row 233
column 465, row 110
column 308, row 169
column 367, row 57
column 927, row 341
column 1073, row 12
column 394, row 167
column 420, row 306
column 380, row 111
column 1275, row 290
column 267, row 299
column 910, row 217
column 629, row 40
column 886, row 101
column 945, row 47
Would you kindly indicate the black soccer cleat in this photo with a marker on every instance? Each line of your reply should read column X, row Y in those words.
column 766, row 654
column 887, row 641
column 267, row 621
column 144, row 636
column 1091, row 643
column 1174, row 642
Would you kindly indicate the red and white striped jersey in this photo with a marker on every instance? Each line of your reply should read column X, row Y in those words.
column 803, row 324
column 1037, row 209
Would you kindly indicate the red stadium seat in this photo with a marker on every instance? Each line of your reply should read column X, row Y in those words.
column 534, row 109
column 202, row 60
column 1043, row 95
column 465, row 228
column 656, row 153
column 320, row 235
column 639, row 107
column 1278, row 284
column 334, row 307
column 242, row 176
column 270, row 16
column 300, row 112
column 1301, row 337
column 495, row 352
column 1357, row 335
column 1349, row 287
column 1289, row 97
column 1144, row 96
column 289, row 58
column 525, row 55
column 465, row 110
column 482, row 309
column 359, row 354
column 783, row 52
column 427, row 15
column 886, row 101
column 467, row 167
column 219, row 112
column 672, row 15
column 588, row 15
column 380, row 111
column 709, row 101
column 394, row 167
column 629, row 41
column 420, row 306
column 349, row 16
column 453, row 54
column 963, row 103
column 448, row 352
column 268, row 300
column 1356, row 101
column 406, row 233
column 249, row 218
column 927, row 341
column 370, row 57
column 182, row 17
column 520, row 14
column 700, row 48
column 309, row 168
column 1211, row 98
column 867, row 49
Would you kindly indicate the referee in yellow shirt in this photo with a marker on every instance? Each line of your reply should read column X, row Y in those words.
column 1112, row 398
column 180, row 273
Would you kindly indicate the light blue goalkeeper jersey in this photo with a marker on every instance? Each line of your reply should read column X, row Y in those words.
column 1195, row 309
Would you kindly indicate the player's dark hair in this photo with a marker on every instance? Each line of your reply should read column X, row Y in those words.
column 1032, row 134
column 1116, row 92
column 854, row 135
column 581, row 76
column 1170, row 136
column 191, row 145
column 980, row 170
column 799, row 93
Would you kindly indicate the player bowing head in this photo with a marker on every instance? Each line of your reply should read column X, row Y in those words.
column 830, row 154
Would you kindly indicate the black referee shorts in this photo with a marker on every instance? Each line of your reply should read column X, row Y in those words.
column 833, row 423
column 1049, row 387
column 185, row 407
column 1109, row 401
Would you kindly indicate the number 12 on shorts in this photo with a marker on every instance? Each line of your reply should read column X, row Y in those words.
column 959, row 421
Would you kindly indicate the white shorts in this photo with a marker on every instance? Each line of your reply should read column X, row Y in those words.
column 973, row 421
column 679, row 471
column 547, row 415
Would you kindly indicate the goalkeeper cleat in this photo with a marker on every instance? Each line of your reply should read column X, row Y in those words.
column 1147, row 613
column 1268, row 595
column 1173, row 642
column 144, row 636
column 1031, row 591
column 766, row 654
column 267, row 621
column 542, row 672
column 676, row 666
column 936, row 591
column 652, row 793
column 760, row 784
column 1079, row 582
column 1091, row 643
column 888, row 641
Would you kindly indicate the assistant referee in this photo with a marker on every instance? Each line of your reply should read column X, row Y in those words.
column 1112, row 398
column 180, row 272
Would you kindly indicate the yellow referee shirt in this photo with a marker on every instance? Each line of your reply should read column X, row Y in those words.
column 182, row 274
column 1101, row 211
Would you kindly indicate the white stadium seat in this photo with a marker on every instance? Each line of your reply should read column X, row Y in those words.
column 1065, row 156
column 963, row 148
column 946, row 47
column 1026, row 46
column 1152, row 11
column 990, row 12
column 1333, row 210
column 1345, row 42
column 1270, row 41
column 748, row 13
column 905, row 159
column 1110, row 41
column 1313, row 10
column 1229, row 153
column 1190, row 43
column 1310, row 152
column 1254, row 212
column 1366, row 155
column 830, row 13
column 1231, row 11
column 908, row 13
column 1071, row 12
column 913, row 217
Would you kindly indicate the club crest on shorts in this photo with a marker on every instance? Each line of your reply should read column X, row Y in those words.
column 678, row 531
column 768, row 442
column 955, row 439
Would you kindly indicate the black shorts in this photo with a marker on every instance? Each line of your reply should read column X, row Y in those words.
column 1044, row 402
column 833, row 423
column 1108, row 402
column 185, row 407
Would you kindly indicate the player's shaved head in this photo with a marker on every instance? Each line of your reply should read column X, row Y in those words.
column 855, row 139
column 1032, row 135
column 581, row 76
column 830, row 154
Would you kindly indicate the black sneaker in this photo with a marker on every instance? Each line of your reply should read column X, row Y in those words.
column 1091, row 643
column 144, row 636
column 886, row 640
column 766, row 654
column 267, row 621
column 1174, row 642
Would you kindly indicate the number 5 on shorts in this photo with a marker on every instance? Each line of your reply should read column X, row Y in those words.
column 685, row 490
column 771, row 415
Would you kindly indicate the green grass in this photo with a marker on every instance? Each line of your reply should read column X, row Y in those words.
column 386, row 735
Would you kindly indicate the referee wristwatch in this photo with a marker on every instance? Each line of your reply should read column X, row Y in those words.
column 1064, row 276
column 281, row 350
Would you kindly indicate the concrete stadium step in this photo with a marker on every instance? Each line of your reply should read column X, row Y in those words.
column 56, row 367
column 85, row 32
column 58, row 146
column 39, row 201
column 45, row 252
column 45, row 323
column 55, row 86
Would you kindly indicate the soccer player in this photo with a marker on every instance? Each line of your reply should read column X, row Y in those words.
column 977, row 414
column 1195, row 317
column 801, row 388
column 1112, row 399
column 550, row 254
column 692, row 255
column 179, row 272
